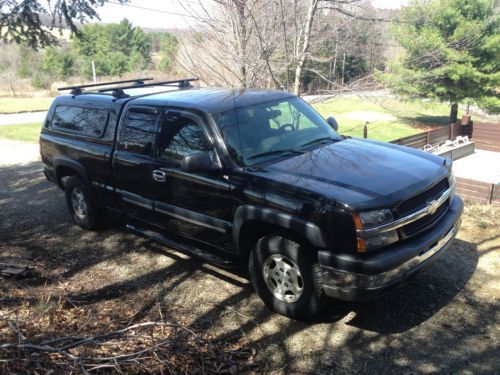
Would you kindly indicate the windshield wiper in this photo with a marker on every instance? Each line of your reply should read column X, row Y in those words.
column 289, row 151
column 319, row 140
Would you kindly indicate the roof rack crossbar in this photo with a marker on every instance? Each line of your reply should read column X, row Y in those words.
column 78, row 88
column 181, row 83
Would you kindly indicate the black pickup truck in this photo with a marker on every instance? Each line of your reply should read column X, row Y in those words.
column 252, row 178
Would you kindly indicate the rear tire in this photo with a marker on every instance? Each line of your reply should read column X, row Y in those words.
column 82, row 207
column 287, row 277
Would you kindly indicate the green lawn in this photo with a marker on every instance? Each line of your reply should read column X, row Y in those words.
column 388, row 118
column 14, row 105
column 21, row 132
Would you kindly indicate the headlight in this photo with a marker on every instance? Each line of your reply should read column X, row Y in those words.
column 371, row 219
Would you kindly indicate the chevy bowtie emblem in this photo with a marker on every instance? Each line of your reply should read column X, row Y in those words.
column 432, row 206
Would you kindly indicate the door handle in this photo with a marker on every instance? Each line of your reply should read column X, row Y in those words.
column 159, row 176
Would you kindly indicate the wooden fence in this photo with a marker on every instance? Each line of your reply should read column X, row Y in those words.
column 478, row 191
column 439, row 135
column 486, row 136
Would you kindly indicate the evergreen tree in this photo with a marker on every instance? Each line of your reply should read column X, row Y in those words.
column 115, row 48
column 451, row 52
column 22, row 21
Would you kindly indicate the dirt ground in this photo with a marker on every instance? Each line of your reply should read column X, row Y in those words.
column 13, row 152
column 445, row 320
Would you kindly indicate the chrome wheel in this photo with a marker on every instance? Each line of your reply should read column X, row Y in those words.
column 283, row 278
column 78, row 203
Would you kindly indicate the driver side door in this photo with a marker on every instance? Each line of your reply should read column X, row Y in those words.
column 195, row 205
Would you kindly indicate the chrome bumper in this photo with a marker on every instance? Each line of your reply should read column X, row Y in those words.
column 353, row 277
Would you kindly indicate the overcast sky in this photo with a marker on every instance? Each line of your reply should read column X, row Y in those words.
column 170, row 14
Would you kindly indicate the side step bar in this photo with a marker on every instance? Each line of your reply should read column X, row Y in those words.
column 198, row 253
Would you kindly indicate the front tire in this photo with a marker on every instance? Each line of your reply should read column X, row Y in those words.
column 83, row 209
column 286, row 276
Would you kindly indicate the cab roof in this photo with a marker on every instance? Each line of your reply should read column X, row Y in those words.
column 209, row 100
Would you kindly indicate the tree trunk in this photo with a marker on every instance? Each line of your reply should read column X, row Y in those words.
column 334, row 69
column 343, row 68
column 301, row 60
column 241, row 35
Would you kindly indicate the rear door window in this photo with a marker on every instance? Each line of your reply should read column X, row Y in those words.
column 81, row 120
column 139, row 131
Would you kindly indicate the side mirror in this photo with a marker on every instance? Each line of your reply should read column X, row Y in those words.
column 333, row 123
column 198, row 161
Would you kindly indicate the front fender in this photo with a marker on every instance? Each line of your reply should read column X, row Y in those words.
column 304, row 228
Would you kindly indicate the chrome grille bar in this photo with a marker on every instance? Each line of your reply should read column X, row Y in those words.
column 427, row 210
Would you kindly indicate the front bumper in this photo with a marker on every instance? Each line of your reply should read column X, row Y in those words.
column 365, row 276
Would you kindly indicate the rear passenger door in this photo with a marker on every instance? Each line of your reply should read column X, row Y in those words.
column 133, row 161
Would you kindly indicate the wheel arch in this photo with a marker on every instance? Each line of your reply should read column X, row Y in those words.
column 64, row 167
column 252, row 223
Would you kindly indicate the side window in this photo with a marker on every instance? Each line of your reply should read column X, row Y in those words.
column 139, row 133
column 86, row 121
column 181, row 136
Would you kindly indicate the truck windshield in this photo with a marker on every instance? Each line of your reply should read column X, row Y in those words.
column 261, row 132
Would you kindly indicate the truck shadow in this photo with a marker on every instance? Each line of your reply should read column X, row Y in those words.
column 415, row 301
column 27, row 191
column 36, row 229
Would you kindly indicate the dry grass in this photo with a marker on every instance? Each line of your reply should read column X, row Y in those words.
column 91, row 291
column 16, row 105
column 53, row 334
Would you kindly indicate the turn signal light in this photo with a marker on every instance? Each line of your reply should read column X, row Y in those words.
column 360, row 241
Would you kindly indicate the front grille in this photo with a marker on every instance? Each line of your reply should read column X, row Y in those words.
column 422, row 224
column 417, row 203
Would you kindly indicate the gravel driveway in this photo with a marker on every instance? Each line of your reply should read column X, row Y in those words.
column 14, row 152
column 445, row 320
column 21, row 118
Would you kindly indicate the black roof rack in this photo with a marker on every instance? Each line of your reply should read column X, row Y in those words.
column 118, row 90
column 77, row 89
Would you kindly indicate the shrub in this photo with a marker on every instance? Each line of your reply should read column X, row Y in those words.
column 40, row 80
column 58, row 63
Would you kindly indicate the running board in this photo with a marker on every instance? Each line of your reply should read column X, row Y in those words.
column 198, row 253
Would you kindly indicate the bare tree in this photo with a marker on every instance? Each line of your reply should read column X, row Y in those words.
column 232, row 43
column 276, row 43
column 9, row 62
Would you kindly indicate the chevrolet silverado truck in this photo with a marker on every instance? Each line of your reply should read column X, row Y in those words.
column 252, row 178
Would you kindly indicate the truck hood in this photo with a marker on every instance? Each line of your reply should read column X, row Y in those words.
column 359, row 173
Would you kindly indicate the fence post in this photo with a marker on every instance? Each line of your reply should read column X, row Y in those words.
column 365, row 130
column 453, row 113
column 428, row 137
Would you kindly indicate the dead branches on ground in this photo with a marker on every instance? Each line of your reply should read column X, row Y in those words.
column 149, row 347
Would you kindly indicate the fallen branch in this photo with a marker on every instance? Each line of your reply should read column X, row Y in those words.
column 156, row 345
